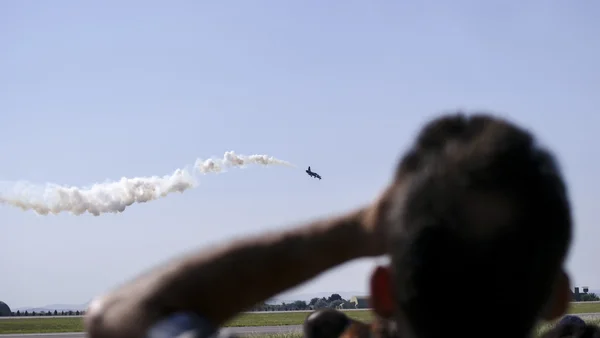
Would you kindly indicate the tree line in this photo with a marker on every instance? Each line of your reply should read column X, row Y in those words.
column 588, row 297
column 335, row 301
column 47, row 313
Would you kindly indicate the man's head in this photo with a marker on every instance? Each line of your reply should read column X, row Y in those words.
column 479, row 231
column 573, row 327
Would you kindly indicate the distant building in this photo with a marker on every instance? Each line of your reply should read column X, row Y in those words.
column 576, row 295
column 361, row 302
column 4, row 310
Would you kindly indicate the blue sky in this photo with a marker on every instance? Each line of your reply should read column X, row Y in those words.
column 91, row 91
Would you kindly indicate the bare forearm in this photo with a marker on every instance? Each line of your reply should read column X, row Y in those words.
column 234, row 278
column 219, row 284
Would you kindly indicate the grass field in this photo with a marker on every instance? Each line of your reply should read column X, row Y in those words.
column 75, row 324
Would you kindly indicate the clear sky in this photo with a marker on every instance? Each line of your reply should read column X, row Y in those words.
column 91, row 91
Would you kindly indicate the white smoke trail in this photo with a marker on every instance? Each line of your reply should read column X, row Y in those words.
column 230, row 159
column 115, row 197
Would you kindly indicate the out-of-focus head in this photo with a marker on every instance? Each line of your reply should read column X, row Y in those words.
column 572, row 327
column 571, row 321
column 480, row 228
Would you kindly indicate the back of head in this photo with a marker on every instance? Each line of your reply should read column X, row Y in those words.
column 484, row 226
column 572, row 327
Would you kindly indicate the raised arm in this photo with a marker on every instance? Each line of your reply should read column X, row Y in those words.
column 219, row 283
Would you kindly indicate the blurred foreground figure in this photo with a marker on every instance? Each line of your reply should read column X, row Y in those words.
column 476, row 207
column 572, row 327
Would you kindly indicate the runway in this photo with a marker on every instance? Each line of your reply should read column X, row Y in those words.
column 238, row 330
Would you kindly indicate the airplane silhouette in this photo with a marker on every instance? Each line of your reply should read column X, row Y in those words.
column 312, row 173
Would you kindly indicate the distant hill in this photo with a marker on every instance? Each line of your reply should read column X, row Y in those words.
column 52, row 307
column 277, row 300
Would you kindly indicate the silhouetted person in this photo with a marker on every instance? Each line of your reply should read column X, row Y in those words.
column 572, row 327
column 326, row 323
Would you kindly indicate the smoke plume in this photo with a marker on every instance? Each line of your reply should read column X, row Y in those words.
column 115, row 197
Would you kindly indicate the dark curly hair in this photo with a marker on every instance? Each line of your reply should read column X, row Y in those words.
column 485, row 221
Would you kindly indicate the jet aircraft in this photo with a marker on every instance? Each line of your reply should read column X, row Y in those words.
column 312, row 173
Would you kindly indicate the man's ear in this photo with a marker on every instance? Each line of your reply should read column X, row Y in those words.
column 560, row 299
column 382, row 297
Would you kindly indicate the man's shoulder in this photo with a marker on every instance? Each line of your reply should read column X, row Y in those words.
column 186, row 325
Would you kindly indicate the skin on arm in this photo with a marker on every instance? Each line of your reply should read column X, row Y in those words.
column 219, row 283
